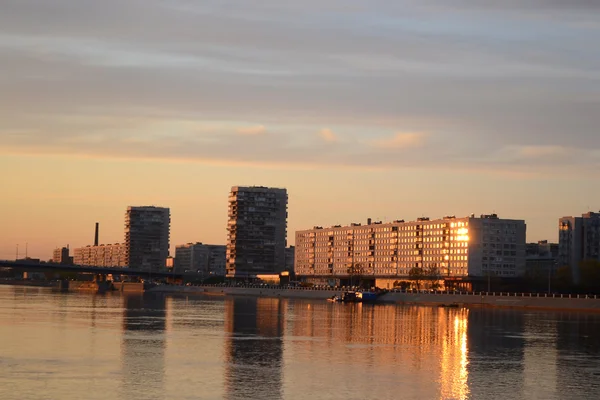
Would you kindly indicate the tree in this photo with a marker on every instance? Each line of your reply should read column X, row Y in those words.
column 589, row 271
column 564, row 279
column 417, row 274
column 433, row 274
column 355, row 270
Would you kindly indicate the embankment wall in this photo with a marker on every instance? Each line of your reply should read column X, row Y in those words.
column 531, row 301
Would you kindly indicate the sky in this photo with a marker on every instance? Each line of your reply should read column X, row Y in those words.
column 388, row 109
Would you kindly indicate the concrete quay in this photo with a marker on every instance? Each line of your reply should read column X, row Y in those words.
column 493, row 300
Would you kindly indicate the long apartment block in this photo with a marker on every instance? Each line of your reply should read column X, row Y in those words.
column 455, row 247
column 104, row 255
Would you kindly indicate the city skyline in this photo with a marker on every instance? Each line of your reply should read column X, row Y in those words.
column 395, row 110
column 117, row 235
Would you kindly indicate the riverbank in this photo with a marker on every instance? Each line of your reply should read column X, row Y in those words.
column 30, row 283
column 495, row 300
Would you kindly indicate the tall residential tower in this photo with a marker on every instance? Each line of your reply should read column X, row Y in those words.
column 147, row 237
column 257, row 231
column 578, row 240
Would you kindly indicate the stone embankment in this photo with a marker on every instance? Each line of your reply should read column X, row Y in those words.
column 483, row 299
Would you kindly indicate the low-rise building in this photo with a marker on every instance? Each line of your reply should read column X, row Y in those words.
column 104, row 255
column 61, row 255
column 199, row 258
column 451, row 248
column 542, row 260
column 217, row 259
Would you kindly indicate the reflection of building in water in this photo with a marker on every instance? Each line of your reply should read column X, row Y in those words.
column 143, row 346
column 578, row 347
column 404, row 339
column 540, row 355
column 254, row 348
column 496, row 346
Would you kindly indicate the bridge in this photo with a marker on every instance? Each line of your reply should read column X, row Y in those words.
column 49, row 267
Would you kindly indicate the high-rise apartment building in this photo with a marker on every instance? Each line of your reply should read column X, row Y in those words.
column 257, row 231
column 578, row 240
column 104, row 255
column 454, row 247
column 147, row 232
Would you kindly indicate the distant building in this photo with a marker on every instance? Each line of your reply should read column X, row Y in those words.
column 542, row 248
column 289, row 258
column 191, row 257
column 542, row 258
column 257, row 231
column 578, row 240
column 147, row 232
column 61, row 255
column 104, row 255
column 204, row 259
column 216, row 259
column 456, row 248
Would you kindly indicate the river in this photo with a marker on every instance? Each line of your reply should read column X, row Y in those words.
column 85, row 346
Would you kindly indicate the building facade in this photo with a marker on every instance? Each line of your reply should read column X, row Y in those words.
column 147, row 232
column 290, row 253
column 256, row 231
column 217, row 259
column 104, row 255
column 61, row 255
column 450, row 247
column 203, row 259
column 578, row 240
column 191, row 257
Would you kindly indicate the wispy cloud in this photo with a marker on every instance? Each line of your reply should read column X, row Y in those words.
column 328, row 135
column 401, row 140
column 489, row 81
column 541, row 151
column 252, row 130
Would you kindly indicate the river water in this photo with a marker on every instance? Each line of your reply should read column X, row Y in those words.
column 85, row 346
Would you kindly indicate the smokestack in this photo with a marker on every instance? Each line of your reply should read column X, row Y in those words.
column 96, row 236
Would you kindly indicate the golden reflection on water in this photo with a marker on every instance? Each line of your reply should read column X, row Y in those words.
column 411, row 340
column 140, row 347
column 454, row 360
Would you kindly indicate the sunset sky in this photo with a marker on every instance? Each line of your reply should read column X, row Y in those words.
column 386, row 109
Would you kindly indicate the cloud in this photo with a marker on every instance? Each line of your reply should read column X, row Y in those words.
column 401, row 141
column 328, row 135
column 495, row 79
column 541, row 151
column 252, row 130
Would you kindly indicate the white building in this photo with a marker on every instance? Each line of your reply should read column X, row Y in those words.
column 453, row 247
column 104, row 255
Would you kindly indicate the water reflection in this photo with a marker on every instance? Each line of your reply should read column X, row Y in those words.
column 254, row 348
column 143, row 346
column 409, row 341
column 496, row 346
column 84, row 346
column 577, row 356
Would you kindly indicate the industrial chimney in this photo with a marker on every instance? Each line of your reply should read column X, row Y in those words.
column 96, row 236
